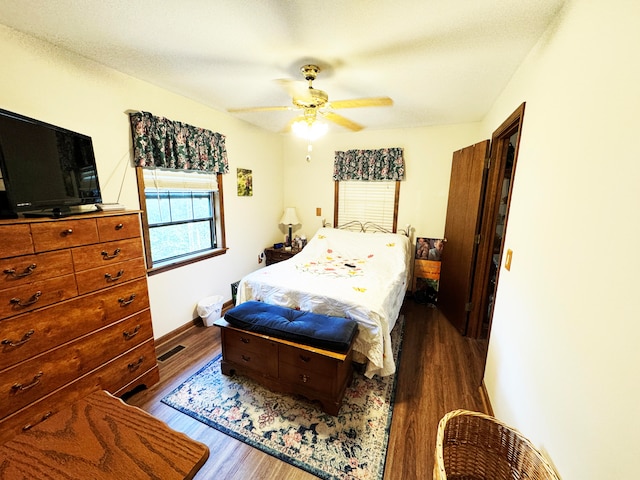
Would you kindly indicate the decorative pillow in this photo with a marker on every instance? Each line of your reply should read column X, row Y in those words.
column 307, row 328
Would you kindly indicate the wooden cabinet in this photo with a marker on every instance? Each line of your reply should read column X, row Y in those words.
column 74, row 314
column 275, row 255
column 287, row 367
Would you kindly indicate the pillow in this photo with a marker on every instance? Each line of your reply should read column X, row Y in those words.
column 307, row 328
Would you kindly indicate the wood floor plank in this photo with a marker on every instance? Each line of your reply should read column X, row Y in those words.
column 439, row 371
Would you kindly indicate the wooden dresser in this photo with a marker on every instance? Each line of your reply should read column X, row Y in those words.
column 74, row 314
column 288, row 367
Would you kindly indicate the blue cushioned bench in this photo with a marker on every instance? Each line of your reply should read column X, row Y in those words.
column 290, row 351
column 307, row 328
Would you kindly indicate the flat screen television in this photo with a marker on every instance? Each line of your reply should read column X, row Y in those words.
column 45, row 170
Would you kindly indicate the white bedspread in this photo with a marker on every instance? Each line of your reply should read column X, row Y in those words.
column 344, row 274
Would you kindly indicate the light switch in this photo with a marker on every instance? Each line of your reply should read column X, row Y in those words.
column 507, row 261
column 318, row 212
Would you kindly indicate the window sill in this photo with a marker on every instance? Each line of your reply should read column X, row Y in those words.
column 163, row 267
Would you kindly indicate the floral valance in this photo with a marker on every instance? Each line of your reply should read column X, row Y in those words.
column 164, row 143
column 382, row 164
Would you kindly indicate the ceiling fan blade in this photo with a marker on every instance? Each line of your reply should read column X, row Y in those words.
column 295, row 89
column 258, row 109
column 342, row 121
column 362, row 102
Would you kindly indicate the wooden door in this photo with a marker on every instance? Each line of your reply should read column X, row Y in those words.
column 462, row 224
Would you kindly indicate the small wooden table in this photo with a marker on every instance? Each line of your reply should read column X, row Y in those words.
column 102, row 438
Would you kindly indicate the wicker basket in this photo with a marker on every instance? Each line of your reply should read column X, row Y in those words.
column 475, row 446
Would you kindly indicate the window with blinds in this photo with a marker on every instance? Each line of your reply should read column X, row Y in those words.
column 371, row 201
column 182, row 213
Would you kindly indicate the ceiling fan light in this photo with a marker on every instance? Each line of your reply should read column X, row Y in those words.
column 309, row 131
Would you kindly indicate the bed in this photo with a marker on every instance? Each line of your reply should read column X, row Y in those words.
column 343, row 273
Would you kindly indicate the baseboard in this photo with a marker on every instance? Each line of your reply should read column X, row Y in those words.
column 486, row 402
column 196, row 322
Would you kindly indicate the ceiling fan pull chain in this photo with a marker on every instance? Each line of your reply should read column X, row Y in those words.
column 309, row 149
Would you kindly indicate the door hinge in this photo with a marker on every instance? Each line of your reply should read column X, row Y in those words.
column 477, row 239
column 487, row 163
column 468, row 307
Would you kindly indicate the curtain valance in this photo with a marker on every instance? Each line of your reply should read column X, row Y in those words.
column 382, row 164
column 164, row 143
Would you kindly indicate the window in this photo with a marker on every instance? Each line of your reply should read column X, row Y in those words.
column 183, row 217
column 367, row 201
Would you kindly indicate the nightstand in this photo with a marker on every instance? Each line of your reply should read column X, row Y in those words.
column 275, row 255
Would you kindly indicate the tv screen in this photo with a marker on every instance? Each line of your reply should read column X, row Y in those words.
column 46, row 170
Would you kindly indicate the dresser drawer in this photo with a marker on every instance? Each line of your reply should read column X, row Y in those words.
column 16, row 240
column 27, row 335
column 110, row 376
column 307, row 360
column 247, row 342
column 309, row 380
column 107, row 276
column 64, row 234
column 36, row 377
column 126, row 368
column 25, row 298
column 101, row 254
column 265, row 362
column 118, row 227
column 30, row 268
column 125, row 299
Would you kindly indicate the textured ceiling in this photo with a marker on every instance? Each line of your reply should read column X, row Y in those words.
column 441, row 61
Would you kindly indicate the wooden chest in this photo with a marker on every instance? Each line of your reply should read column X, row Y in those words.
column 74, row 314
column 287, row 367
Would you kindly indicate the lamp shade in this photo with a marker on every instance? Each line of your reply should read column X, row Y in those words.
column 289, row 217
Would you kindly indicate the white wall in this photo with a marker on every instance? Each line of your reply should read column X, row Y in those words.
column 52, row 85
column 563, row 361
column 423, row 195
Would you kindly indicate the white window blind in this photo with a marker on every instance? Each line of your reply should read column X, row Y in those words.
column 179, row 180
column 367, row 202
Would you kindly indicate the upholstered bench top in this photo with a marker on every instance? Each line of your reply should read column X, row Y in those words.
column 307, row 328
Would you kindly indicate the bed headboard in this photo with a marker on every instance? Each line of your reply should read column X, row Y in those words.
column 367, row 227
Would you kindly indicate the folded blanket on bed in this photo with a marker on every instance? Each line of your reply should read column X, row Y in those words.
column 307, row 328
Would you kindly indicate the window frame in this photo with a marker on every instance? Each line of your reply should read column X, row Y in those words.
column 219, row 225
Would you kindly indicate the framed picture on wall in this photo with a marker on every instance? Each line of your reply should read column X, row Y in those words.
column 245, row 182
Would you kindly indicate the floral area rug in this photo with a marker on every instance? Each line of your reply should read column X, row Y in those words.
column 351, row 445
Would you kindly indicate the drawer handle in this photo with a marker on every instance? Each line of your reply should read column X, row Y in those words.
column 116, row 278
column 304, row 378
column 244, row 340
column 124, row 303
column 107, row 256
column 34, row 298
column 130, row 335
column 246, row 358
column 19, row 387
column 25, row 338
column 305, row 359
column 27, row 271
column 68, row 231
column 29, row 426
column 134, row 366
column 119, row 226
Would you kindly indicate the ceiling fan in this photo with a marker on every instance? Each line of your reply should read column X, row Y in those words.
column 314, row 102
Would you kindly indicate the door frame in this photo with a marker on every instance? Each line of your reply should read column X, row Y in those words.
column 487, row 225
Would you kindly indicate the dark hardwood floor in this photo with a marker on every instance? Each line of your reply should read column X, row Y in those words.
column 439, row 371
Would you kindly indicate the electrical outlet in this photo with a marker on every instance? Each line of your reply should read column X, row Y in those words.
column 318, row 212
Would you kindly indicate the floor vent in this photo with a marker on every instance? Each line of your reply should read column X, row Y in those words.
column 170, row 353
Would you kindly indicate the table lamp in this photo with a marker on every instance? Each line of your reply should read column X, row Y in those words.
column 289, row 218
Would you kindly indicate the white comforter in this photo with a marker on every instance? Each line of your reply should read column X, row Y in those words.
column 345, row 274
